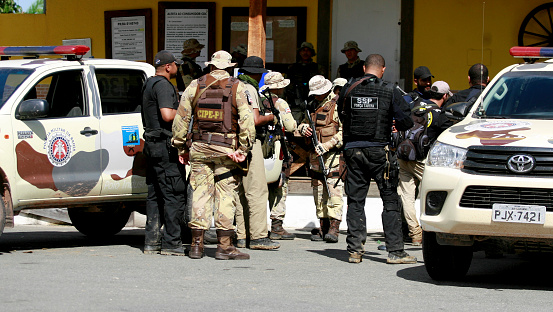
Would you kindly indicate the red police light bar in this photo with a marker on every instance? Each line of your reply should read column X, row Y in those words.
column 45, row 50
column 532, row 52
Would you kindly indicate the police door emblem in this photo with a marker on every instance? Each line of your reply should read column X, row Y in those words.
column 521, row 163
column 365, row 102
column 59, row 147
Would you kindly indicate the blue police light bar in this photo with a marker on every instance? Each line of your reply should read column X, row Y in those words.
column 532, row 52
column 45, row 50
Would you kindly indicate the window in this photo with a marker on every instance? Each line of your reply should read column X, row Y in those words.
column 10, row 80
column 64, row 92
column 120, row 90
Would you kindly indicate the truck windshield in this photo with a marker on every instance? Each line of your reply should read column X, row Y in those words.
column 519, row 95
column 10, row 80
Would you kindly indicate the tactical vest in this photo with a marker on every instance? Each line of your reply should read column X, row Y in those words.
column 216, row 111
column 154, row 125
column 325, row 125
column 354, row 72
column 368, row 110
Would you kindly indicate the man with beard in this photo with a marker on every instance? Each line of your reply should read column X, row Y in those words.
column 423, row 82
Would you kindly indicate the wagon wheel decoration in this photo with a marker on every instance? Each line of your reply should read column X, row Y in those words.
column 537, row 27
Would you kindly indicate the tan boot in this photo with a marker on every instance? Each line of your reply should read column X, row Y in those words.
column 333, row 231
column 225, row 249
column 197, row 245
column 278, row 232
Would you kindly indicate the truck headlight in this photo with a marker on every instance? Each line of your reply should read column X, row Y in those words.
column 445, row 155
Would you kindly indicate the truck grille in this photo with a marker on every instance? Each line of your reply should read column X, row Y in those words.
column 483, row 197
column 492, row 160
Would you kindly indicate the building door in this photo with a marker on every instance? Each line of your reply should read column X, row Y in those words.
column 374, row 25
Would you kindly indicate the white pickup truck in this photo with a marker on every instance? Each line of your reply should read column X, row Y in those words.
column 71, row 136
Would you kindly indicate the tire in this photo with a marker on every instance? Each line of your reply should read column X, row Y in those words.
column 445, row 262
column 2, row 216
column 99, row 224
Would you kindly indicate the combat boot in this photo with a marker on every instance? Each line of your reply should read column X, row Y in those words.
column 319, row 234
column 400, row 257
column 263, row 243
column 225, row 249
column 333, row 231
column 197, row 245
column 278, row 232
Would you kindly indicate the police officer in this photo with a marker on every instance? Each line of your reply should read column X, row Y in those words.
column 278, row 191
column 328, row 129
column 353, row 68
column 222, row 134
column 422, row 80
column 368, row 106
column 189, row 69
column 166, row 188
column 251, row 212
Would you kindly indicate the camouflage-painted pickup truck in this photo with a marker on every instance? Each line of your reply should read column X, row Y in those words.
column 71, row 136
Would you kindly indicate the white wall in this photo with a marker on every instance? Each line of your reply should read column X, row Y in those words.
column 374, row 25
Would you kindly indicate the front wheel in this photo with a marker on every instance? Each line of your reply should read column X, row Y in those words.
column 445, row 262
column 107, row 221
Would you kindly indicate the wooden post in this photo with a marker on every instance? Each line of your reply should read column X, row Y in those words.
column 256, row 28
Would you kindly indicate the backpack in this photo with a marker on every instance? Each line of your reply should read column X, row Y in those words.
column 414, row 143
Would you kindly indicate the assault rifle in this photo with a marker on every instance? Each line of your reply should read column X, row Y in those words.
column 315, row 142
column 278, row 126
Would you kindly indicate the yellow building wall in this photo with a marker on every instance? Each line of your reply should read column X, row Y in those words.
column 448, row 36
column 66, row 19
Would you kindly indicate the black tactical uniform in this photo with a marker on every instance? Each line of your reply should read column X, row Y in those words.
column 166, row 188
column 367, row 113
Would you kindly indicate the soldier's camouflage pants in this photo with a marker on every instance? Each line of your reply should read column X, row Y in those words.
column 277, row 199
column 209, row 196
column 327, row 206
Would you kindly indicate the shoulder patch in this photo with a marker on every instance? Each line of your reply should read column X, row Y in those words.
column 248, row 97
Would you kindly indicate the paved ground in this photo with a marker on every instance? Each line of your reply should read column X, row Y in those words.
column 54, row 268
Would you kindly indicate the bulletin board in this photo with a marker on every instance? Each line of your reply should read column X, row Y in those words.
column 285, row 31
column 128, row 35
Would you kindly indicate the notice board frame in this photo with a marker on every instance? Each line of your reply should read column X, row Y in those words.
column 210, row 6
column 147, row 13
column 299, row 12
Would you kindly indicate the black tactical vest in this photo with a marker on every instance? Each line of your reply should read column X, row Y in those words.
column 368, row 110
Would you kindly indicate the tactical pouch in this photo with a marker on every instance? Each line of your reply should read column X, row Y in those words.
column 155, row 149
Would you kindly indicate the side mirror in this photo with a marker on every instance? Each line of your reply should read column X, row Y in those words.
column 458, row 111
column 32, row 109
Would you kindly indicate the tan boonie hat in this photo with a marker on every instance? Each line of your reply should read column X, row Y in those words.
column 308, row 45
column 241, row 48
column 319, row 85
column 441, row 87
column 191, row 46
column 221, row 59
column 350, row 45
column 340, row 82
column 275, row 80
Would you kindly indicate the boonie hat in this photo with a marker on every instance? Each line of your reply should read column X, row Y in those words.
column 422, row 72
column 350, row 45
column 308, row 45
column 441, row 87
column 275, row 80
column 319, row 85
column 253, row 65
column 165, row 57
column 221, row 59
column 340, row 82
column 241, row 48
column 191, row 46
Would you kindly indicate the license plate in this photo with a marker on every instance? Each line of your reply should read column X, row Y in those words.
column 518, row 213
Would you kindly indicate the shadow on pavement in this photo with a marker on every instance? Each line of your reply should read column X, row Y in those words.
column 530, row 272
column 28, row 241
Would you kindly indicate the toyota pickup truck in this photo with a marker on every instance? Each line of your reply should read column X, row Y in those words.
column 71, row 136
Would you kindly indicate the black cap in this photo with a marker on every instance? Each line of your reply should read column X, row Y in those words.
column 165, row 57
column 253, row 65
column 422, row 72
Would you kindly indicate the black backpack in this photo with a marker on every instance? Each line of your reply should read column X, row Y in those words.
column 414, row 143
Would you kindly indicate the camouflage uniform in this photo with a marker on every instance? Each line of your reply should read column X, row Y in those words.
column 188, row 71
column 209, row 160
column 328, row 207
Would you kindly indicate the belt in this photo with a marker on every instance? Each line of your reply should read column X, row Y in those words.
column 213, row 139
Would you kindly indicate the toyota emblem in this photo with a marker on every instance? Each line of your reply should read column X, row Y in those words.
column 521, row 163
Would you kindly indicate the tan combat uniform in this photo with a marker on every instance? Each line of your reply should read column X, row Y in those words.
column 209, row 160
column 328, row 207
column 253, row 193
